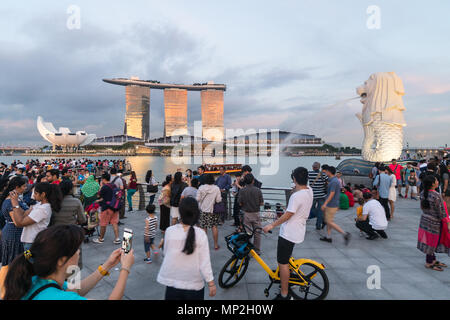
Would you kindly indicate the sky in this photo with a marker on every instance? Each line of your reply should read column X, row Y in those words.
column 290, row 65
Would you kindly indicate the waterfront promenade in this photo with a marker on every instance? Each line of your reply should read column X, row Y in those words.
column 403, row 275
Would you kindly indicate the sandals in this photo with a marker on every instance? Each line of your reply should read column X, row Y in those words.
column 434, row 267
column 440, row 264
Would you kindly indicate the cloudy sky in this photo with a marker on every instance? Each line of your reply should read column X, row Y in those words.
column 290, row 65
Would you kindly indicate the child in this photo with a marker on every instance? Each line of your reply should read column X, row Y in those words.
column 359, row 212
column 150, row 232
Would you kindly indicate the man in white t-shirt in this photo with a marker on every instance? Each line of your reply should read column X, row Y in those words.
column 293, row 226
column 116, row 179
column 373, row 220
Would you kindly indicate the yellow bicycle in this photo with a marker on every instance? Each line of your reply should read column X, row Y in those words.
column 307, row 281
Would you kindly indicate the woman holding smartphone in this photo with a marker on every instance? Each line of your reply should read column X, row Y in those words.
column 40, row 273
column 186, row 245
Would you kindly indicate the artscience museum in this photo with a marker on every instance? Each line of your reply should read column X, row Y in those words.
column 63, row 137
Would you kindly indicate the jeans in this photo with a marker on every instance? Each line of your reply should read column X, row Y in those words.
column 130, row 193
column 152, row 199
column 316, row 212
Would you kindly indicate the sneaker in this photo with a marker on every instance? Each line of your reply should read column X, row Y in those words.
column 280, row 297
column 98, row 240
column 148, row 260
column 326, row 239
column 347, row 238
column 120, row 223
column 373, row 237
column 117, row 241
column 361, row 234
column 382, row 234
column 130, row 209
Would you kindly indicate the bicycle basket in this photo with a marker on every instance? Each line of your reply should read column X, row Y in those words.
column 238, row 244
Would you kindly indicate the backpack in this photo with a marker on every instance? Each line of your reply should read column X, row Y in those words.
column 116, row 202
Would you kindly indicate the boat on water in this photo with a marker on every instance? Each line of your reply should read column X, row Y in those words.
column 229, row 168
column 4, row 153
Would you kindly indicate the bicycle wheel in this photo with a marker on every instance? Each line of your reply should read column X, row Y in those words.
column 233, row 271
column 317, row 285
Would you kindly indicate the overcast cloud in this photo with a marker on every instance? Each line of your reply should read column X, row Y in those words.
column 292, row 66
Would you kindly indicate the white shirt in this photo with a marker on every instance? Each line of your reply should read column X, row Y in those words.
column 182, row 271
column 300, row 204
column 207, row 196
column 41, row 214
column 377, row 215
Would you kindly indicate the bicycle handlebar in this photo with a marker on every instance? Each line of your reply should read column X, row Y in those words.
column 253, row 230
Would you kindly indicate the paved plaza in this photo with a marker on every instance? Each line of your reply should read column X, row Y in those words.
column 403, row 275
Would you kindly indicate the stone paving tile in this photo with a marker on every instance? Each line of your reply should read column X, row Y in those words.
column 406, row 291
column 403, row 275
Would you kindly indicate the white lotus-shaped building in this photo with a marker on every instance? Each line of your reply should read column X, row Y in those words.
column 63, row 137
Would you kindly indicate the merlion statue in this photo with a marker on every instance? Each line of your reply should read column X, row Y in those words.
column 382, row 116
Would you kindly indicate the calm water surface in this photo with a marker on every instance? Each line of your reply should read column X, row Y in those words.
column 162, row 166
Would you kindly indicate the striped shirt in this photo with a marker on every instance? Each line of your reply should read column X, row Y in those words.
column 318, row 185
column 150, row 229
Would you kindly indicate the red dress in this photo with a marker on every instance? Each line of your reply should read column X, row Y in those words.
column 351, row 200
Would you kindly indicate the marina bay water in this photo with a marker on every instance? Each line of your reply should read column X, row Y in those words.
column 162, row 166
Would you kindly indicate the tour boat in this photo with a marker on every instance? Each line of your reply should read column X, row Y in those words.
column 229, row 168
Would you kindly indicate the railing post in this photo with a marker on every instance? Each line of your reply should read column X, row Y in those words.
column 287, row 194
column 229, row 205
column 141, row 197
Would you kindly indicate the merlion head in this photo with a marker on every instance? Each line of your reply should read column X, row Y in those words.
column 382, row 93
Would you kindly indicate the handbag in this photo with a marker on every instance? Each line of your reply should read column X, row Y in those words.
column 152, row 189
column 219, row 207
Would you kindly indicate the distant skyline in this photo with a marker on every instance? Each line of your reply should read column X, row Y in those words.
column 290, row 65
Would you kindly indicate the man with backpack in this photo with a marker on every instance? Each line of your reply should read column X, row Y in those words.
column 109, row 214
column 118, row 183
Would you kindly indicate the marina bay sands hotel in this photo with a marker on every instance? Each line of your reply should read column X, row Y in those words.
column 137, row 97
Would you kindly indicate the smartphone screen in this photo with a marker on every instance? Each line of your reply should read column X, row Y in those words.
column 127, row 240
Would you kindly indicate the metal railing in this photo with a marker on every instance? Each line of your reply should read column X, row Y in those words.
column 271, row 195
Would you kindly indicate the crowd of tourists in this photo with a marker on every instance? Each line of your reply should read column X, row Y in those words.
column 44, row 222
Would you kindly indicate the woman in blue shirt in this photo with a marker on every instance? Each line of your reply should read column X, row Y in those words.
column 40, row 273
